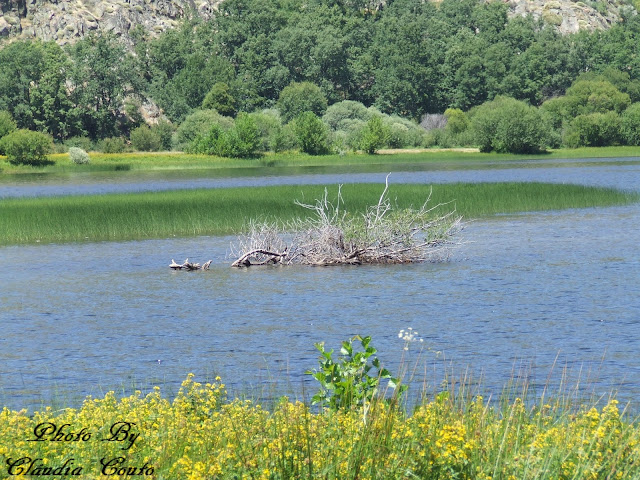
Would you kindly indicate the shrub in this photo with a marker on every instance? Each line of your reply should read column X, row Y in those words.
column 269, row 125
column 164, row 129
column 339, row 114
column 457, row 121
column 285, row 139
column 7, row 124
column 78, row 156
column 244, row 137
column 312, row 134
column 506, row 125
column 25, row 147
column 593, row 130
column 298, row 98
column 145, row 139
column 84, row 143
column 593, row 96
column 220, row 99
column 630, row 125
column 240, row 141
column 111, row 145
column 375, row 135
column 404, row 132
column 198, row 124
column 433, row 121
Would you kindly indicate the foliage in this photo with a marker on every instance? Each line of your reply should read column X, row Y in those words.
column 457, row 121
column 242, row 140
column 593, row 130
column 312, row 134
column 84, row 143
column 145, row 139
column 506, row 125
column 596, row 97
column 220, row 99
column 339, row 113
column 25, row 147
column 111, row 145
column 374, row 135
column 409, row 58
column 197, row 124
column 630, row 125
column 103, row 75
column 353, row 381
column 164, row 129
column 7, row 125
column 298, row 98
column 269, row 128
column 285, row 139
column 78, row 156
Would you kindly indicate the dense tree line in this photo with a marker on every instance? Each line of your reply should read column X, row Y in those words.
column 406, row 59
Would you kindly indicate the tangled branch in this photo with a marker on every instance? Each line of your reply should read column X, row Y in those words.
column 330, row 236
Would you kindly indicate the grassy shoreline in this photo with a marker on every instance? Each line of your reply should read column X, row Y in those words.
column 176, row 160
column 224, row 211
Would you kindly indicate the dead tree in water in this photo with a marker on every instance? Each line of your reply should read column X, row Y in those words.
column 332, row 237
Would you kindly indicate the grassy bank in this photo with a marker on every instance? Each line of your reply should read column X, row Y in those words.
column 226, row 211
column 201, row 434
column 174, row 160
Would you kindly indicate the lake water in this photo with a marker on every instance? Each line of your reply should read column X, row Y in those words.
column 532, row 294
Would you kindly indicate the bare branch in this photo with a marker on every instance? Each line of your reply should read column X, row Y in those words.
column 381, row 234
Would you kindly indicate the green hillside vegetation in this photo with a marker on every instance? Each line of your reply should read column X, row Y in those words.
column 244, row 82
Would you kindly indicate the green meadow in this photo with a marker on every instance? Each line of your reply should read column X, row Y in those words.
column 224, row 211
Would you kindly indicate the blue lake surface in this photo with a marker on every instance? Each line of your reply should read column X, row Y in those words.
column 539, row 295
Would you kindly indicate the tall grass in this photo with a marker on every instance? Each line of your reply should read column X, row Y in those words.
column 226, row 211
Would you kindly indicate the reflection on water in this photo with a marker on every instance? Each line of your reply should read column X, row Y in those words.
column 622, row 173
column 529, row 290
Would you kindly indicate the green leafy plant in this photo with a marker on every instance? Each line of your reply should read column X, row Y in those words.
column 111, row 145
column 145, row 139
column 312, row 134
column 24, row 147
column 354, row 379
column 374, row 135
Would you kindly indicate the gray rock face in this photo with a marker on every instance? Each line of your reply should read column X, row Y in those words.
column 68, row 20
column 570, row 16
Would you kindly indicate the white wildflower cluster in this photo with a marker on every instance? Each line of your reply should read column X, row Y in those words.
column 409, row 336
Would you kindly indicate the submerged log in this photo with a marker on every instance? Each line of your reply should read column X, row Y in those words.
column 187, row 265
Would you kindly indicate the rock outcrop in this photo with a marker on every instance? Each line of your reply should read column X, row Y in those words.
column 68, row 20
column 571, row 16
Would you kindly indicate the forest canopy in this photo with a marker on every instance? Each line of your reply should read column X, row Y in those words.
column 404, row 60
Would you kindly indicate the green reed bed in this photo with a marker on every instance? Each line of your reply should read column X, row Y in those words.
column 227, row 211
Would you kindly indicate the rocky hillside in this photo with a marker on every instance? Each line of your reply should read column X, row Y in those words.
column 67, row 20
column 571, row 16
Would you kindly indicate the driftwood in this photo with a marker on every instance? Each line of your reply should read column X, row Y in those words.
column 187, row 265
column 331, row 237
